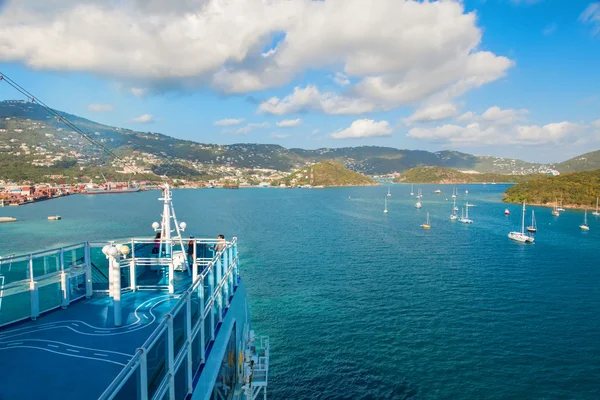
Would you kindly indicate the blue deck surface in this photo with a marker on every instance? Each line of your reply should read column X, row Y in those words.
column 75, row 353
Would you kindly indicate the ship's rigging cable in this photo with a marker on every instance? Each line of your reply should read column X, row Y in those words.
column 61, row 118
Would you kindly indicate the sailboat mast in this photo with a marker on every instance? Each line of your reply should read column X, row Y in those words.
column 523, row 220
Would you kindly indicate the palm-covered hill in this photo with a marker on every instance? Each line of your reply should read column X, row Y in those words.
column 447, row 175
column 577, row 189
column 327, row 173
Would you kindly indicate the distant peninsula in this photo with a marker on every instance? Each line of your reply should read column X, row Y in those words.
column 576, row 189
column 326, row 174
column 443, row 175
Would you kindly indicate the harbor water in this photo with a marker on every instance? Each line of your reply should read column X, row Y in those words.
column 360, row 304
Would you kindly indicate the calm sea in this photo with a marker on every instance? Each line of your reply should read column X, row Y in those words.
column 361, row 305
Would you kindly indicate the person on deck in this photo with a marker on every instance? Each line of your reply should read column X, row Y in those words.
column 220, row 244
column 156, row 248
column 190, row 251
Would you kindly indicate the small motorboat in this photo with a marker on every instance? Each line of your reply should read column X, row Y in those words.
column 54, row 217
column 506, row 212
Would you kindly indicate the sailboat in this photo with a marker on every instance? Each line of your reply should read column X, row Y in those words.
column 437, row 191
column 585, row 226
column 555, row 209
column 389, row 193
column 426, row 224
column 596, row 213
column 521, row 236
column 560, row 207
column 533, row 226
column 454, row 193
column 465, row 219
column 412, row 192
column 418, row 204
column 385, row 210
column 453, row 216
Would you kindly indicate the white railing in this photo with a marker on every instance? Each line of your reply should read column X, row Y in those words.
column 183, row 335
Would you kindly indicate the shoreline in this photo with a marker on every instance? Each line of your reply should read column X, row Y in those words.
column 550, row 205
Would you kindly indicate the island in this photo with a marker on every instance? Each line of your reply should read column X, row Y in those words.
column 443, row 175
column 325, row 174
column 577, row 190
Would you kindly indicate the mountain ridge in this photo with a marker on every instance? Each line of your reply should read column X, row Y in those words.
column 29, row 137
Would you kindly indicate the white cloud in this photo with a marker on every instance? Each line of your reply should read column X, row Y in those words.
column 144, row 119
column 100, row 107
column 138, row 92
column 432, row 113
column 591, row 16
column 228, row 122
column 476, row 134
column 250, row 127
column 498, row 116
column 596, row 124
column 341, row 79
column 315, row 131
column 469, row 116
column 280, row 135
column 309, row 98
column 289, row 123
column 399, row 52
column 363, row 128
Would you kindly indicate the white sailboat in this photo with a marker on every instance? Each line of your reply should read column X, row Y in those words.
column 418, row 204
column 596, row 213
column 389, row 193
column 521, row 236
column 454, row 191
column 385, row 210
column 426, row 224
column 555, row 209
column 584, row 226
column 412, row 192
column 453, row 216
column 465, row 219
column 560, row 207
column 533, row 226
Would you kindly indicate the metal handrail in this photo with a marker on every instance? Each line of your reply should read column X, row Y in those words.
column 119, row 381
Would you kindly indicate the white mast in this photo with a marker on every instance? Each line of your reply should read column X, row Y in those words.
column 523, row 220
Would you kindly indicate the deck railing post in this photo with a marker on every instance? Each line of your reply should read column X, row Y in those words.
column 171, row 275
column 171, row 357
column 219, row 296
column 236, row 269
column 143, row 371
column 88, row 271
column 62, row 259
column 132, row 271
column 64, row 287
column 33, row 287
column 201, row 318
column 188, row 335
column 195, row 264
column 115, row 274
column 211, row 280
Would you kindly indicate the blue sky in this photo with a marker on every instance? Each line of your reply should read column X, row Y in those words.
column 502, row 77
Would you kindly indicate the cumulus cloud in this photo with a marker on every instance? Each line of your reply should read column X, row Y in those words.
column 228, row 122
column 480, row 134
column 435, row 112
column 250, row 127
column 289, row 123
column 311, row 99
column 341, row 79
column 398, row 53
column 144, row 119
column 363, row 128
column 498, row 116
column 100, row 107
column 138, row 92
column 591, row 16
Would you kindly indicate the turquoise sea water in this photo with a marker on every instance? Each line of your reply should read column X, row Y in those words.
column 360, row 305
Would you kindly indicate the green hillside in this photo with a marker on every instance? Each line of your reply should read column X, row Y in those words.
column 585, row 162
column 327, row 173
column 577, row 189
column 447, row 175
